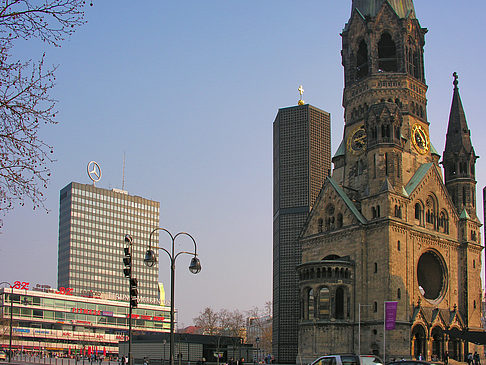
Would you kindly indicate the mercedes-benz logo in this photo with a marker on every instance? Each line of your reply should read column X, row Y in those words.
column 94, row 171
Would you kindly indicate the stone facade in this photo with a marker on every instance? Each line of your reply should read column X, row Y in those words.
column 386, row 226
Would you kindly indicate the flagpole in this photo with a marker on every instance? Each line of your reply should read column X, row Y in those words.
column 384, row 332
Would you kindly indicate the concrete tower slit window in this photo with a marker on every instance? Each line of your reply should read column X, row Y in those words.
column 387, row 54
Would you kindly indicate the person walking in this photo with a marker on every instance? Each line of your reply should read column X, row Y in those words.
column 476, row 359
column 446, row 358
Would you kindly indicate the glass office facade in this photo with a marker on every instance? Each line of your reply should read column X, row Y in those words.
column 92, row 225
column 50, row 322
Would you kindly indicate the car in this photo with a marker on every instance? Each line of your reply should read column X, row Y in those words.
column 3, row 356
column 410, row 362
column 348, row 359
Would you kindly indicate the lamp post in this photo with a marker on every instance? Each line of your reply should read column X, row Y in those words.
column 194, row 267
column 132, row 289
column 11, row 318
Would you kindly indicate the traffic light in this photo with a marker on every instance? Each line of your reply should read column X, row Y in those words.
column 133, row 292
column 127, row 261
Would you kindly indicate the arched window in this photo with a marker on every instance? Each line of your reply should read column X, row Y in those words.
column 339, row 303
column 339, row 220
column 362, row 68
column 418, row 213
column 324, row 300
column 387, row 54
column 310, row 304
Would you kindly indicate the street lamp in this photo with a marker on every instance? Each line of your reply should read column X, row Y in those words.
column 11, row 317
column 132, row 289
column 194, row 267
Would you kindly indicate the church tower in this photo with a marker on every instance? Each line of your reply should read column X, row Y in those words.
column 459, row 158
column 386, row 227
column 386, row 128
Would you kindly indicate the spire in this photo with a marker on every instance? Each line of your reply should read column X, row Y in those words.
column 403, row 8
column 458, row 139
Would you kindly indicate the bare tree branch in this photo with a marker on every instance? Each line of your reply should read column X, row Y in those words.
column 25, row 101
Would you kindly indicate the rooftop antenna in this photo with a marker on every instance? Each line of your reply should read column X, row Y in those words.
column 123, row 173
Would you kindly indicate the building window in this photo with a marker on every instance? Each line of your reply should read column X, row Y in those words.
column 339, row 220
column 387, row 54
column 398, row 245
column 399, row 294
column 362, row 68
column 376, row 268
column 418, row 213
column 339, row 303
column 310, row 304
column 324, row 299
column 375, row 307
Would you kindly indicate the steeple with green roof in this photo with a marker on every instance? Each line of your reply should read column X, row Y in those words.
column 403, row 8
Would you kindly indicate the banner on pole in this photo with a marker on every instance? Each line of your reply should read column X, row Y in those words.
column 390, row 315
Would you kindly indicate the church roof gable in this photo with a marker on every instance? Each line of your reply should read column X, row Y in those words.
column 347, row 201
column 418, row 177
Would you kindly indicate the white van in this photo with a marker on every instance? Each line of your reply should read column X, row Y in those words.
column 348, row 360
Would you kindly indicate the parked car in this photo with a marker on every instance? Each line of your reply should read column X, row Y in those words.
column 348, row 360
column 410, row 362
column 3, row 356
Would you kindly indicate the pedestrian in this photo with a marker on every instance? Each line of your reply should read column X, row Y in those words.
column 469, row 359
column 476, row 358
column 446, row 358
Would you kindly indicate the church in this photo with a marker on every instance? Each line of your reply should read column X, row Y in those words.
column 395, row 221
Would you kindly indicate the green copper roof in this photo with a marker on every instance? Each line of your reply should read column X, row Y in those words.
column 347, row 201
column 403, row 8
column 433, row 151
column 417, row 178
column 341, row 151
column 464, row 215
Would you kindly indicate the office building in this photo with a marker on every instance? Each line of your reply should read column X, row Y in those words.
column 51, row 321
column 92, row 225
column 301, row 162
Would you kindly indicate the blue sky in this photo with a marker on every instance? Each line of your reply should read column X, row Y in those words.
column 188, row 90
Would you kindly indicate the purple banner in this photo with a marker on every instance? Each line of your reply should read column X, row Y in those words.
column 390, row 315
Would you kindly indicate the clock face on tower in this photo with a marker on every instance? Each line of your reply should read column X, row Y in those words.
column 420, row 139
column 357, row 140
